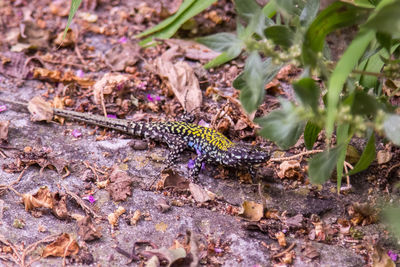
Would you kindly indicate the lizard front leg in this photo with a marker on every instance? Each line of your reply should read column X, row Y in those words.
column 176, row 147
column 197, row 166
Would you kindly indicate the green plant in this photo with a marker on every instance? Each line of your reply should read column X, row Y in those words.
column 353, row 102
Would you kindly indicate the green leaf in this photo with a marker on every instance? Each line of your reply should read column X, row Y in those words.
column 367, row 156
column 391, row 216
column 391, row 126
column 246, row 9
column 252, row 95
column 386, row 20
column 310, row 134
column 269, row 9
column 224, row 42
column 290, row 8
column 309, row 12
column 168, row 27
column 320, row 167
column 365, row 104
column 337, row 15
column 251, row 81
column 74, row 7
column 280, row 35
column 307, row 92
column 282, row 126
column 339, row 75
column 343, row 138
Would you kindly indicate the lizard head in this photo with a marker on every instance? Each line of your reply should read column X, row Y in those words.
column 240, row 155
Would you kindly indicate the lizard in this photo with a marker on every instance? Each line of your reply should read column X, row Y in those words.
column 211, row 146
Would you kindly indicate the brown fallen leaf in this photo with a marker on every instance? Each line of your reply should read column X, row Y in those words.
column 57, row 76
column 113, row 217
column 41, row 199
column 180, row 78
column 363, row 214
column 172, row 179
column 310, row 251
column 109, row 83
column 193, row 50
column 64, row 246
column 198, row 193
column 87, row 230
column 40, row 109
column 289, row 169
column 60, row 205
column 251, row 211
column 280, row 236
column 64, row 41
column 4, row 130
column 120, row 184
column 121, row 56
column 383, row 156
column 33, row 35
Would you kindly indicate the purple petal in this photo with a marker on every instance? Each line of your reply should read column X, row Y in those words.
column 218, row 250
column 122, row 40
column 158, row 98
column 80, row 73
column 111, row 116
column 392, row 255
column 92, row 199
column 76, row 133
column 150, row 98
column 3, row 108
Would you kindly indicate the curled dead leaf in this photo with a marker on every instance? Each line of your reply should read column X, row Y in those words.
column 198, row 193
column 113, row 217
column 280, row 236
column 120, row 184
column 383, row 156
column 4, row 129
column 172, row 179
column 41, row 199
column 181, row 79
column 122, row 55
column 88, row 231
column 251, row 211
column 289, row 169
column 109, row 83
column 40, row 110
column 68, row 40
column 63, row 246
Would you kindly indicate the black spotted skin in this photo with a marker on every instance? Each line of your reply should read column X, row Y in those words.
column 210, row 145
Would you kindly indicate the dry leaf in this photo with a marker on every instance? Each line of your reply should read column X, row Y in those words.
column 63, row 246
column 289, row 169
column 193, row 50
column 251, row 211
column 120, row 184
column 174, row 180
column 161, row 227
column 4, row 129
column 113, row 217
column 42, row 199
column 40, row 110
column 383, row 156
column 87, row 230
column 311, row 252
column 280, row 236
column 198, row 193
column 33, row 35
column 135, row 218
column 181, row 80
column 122, row 55
column 68, row 40
column 109, row 83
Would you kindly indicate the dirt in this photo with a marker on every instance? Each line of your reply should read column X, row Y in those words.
column 313, row 219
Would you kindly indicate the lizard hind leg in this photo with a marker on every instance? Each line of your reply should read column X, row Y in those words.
column 176, row 147
column 197, row 167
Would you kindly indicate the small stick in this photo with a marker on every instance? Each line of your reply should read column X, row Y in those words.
column 81, row 202
column 296, row 156
column 285, row 251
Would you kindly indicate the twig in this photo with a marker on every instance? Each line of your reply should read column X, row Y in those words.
column 285, row 251
column 66, row 250
column 33, row 246
column 92, row 169
column 3, row 154
column 81, row 203
column 20, row 176
column 67, row 173
column 296, row 156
